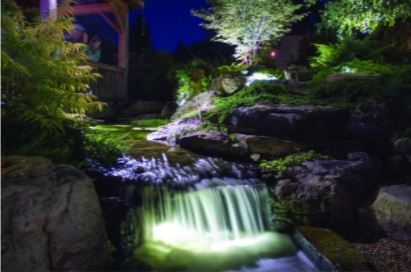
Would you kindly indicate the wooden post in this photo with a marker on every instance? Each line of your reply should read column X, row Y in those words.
column 125, row 61
column 48, row 8
column 123, row 40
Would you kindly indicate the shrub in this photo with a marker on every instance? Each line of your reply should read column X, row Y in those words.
column 193, row 78
column 43, row 78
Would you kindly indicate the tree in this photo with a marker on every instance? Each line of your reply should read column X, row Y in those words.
column 248, row 24
column 348, row 16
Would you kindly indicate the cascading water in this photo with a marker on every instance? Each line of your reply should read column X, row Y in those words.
column 184, row 212
column 207, row 219
column 213, row 229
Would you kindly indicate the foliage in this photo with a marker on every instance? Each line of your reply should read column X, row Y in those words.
column 248, row 24
column 348, row 16
column 193, row 78
column 349, row 49
column 63, row 146
column 43, row 78
column 281, row 165
column 233, row 68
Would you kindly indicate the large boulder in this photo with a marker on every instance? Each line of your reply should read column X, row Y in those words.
column 228, row 83
column 325, row 192
column 390, row 211
column 170, row 133
column 403, row 145
column 51, row 218
column 212, row 143
column 301, row 122
column 367, row 125
column 267, row 146
column 338, row 77
column 199, row 103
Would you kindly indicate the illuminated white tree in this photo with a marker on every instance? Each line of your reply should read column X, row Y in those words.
column 248, row 24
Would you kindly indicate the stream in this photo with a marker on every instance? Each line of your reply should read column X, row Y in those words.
column 168, row 209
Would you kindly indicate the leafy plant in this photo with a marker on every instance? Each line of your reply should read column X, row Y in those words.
column 281, row 165
column 43, row 79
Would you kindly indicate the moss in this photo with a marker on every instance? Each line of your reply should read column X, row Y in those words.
column 336, row 249
column 190, row 114
column 281, row 165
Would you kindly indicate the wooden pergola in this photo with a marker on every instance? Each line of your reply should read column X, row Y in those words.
column 113, row 84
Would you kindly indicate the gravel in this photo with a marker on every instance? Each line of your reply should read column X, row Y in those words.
column 387, row 255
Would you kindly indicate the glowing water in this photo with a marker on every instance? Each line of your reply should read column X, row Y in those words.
column 208, row 219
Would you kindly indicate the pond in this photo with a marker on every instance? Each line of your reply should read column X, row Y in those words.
column 185, row 212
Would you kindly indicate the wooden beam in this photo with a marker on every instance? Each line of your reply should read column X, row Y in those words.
column 91, row 9
column 109, row 22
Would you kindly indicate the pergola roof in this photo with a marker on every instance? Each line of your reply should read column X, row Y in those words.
column 131, row 4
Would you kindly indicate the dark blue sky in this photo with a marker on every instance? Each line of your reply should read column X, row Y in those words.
column 171, row 21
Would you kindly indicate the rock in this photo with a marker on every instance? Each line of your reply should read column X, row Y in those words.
column 228, row 83
column 337, row 77
column 341, row 253
column 143, row 107
column 200, row 103
column 399, row 164
column 211, row 143
column 391, row 210
column 170, row 133
column 324, row 192
column 403, row 146
column 300, row 122
column 169, row 109
column 368, row 125
column 267, row 146
column 51, row 218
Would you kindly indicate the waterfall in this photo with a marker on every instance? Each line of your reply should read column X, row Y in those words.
column 211, row 218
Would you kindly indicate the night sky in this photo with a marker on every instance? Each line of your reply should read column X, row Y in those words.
column 170, row 22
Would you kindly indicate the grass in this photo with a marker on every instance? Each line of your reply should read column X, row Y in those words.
column 152, row 123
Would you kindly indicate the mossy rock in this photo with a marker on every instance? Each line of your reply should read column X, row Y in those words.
column 336, row 249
